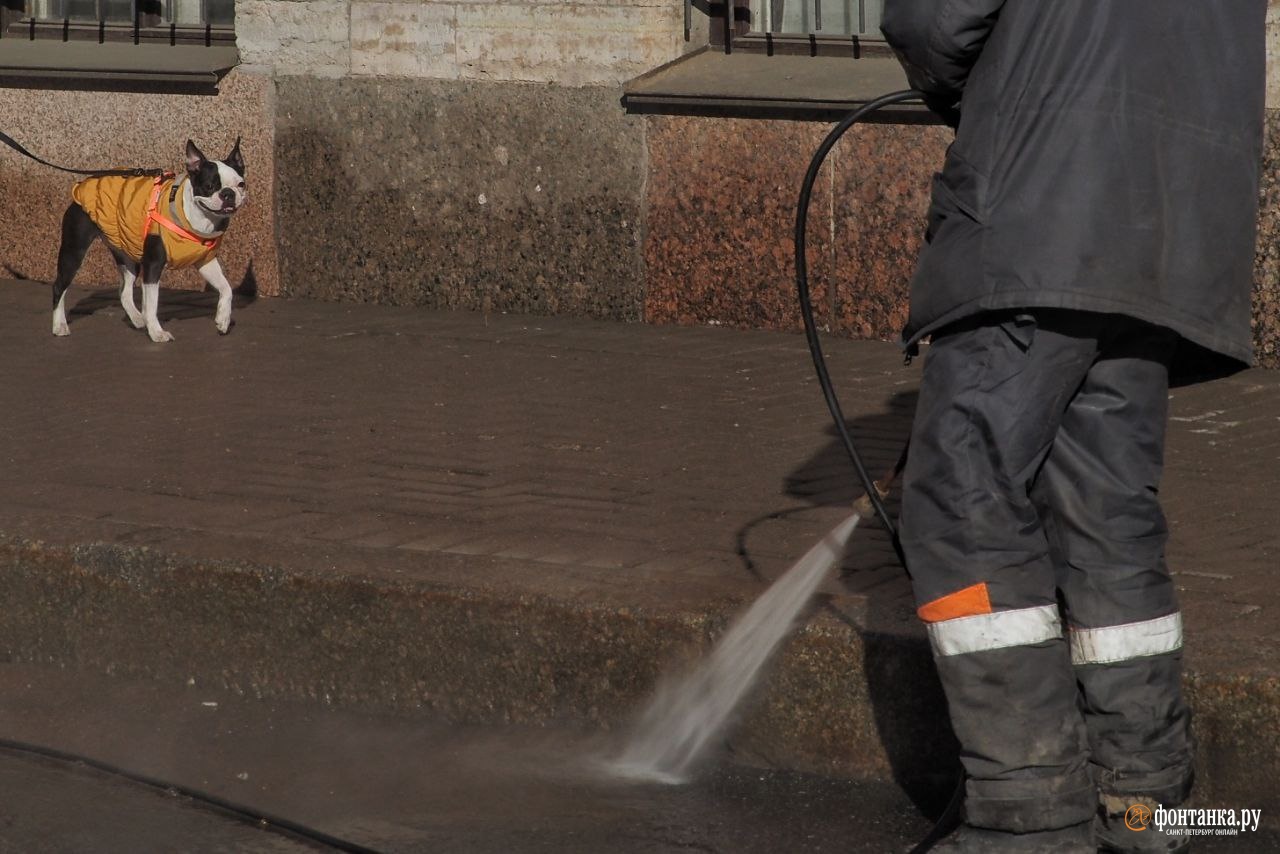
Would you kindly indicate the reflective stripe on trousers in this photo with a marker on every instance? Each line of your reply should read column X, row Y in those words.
column 1026, row 626
column 1111, row 644
column 983, row 632
column 1030, row 506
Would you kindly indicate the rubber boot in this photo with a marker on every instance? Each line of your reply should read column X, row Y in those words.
column 1131, row 831
column 1077, row 839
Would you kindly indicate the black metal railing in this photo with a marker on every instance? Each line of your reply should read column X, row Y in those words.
column 816, row 27
column 208, row 22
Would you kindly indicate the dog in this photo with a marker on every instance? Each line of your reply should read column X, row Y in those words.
column 150, row 223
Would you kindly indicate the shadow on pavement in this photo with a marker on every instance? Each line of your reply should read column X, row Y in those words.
column 906, row 696
column 174, row 304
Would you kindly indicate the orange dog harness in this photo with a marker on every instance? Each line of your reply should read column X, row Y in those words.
column 128, row 210
column 161, row 219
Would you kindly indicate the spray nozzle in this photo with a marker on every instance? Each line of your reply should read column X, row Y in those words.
column 863, row 506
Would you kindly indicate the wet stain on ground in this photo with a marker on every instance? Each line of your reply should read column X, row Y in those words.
column 392, row 783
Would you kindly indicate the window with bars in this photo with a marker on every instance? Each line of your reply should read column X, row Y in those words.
column 792, row 59
column 175, row 46
column 822, row 18
column 183, row 12
column 815, row 27
column 175, row 21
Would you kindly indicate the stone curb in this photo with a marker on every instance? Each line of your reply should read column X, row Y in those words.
column 841, row 700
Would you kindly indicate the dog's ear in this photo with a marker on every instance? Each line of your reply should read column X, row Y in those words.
column 235, row 159
column 194, row 157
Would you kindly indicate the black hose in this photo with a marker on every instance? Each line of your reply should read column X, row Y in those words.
column 951, row 811
column 806, row 306
column 248, row 815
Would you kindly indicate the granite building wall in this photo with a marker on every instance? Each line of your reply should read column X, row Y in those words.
column 461, row 154
column 473, row 154
column 97, row 130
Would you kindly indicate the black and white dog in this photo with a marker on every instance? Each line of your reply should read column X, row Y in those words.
column 150, row 223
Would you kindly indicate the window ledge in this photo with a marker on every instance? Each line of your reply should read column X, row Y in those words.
column 755, row 85
column 116, row 67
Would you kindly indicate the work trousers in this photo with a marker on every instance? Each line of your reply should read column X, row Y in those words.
column 1035, row 540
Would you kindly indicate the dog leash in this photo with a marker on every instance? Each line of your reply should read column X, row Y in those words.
column 133, row 173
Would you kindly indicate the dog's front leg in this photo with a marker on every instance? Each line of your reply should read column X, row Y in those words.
column 154, row 259
column 128, row 275
column 150, row 308
column 127, row 278
column 212, row 273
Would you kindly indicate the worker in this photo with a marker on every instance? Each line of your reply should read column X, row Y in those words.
column 1090, row 240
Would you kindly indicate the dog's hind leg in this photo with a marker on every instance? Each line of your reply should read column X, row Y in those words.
column 78, row 234
column 128, row 275
column 153, row 260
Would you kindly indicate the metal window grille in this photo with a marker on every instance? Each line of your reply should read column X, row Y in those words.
column 838, row 18
column 185, row 22
column 181, row 13
column 813, row 27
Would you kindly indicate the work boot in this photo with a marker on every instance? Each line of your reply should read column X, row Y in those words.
column 981, row 840
column 1133, row 832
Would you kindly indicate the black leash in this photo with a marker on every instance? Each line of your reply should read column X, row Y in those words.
column 131, row 173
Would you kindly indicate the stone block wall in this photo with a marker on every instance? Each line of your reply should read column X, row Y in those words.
column 583, row 43
column 454, row 194
column 97, row 130
column 720, row 207
column 461, row 154
column 720, row 204
column 1266, row 291
column 474, row 154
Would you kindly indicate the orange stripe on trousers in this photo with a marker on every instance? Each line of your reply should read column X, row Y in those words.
column 969, row 602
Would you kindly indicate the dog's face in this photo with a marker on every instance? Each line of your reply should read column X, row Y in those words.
column 218, row 185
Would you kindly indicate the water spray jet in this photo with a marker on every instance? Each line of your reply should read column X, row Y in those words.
column 684, row 715
column 687, row 713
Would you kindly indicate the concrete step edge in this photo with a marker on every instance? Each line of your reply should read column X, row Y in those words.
column 838, row 700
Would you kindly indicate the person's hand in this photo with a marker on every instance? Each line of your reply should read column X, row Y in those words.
column 945, row 107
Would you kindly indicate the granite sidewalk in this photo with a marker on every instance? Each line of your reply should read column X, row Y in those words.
column 518, row 519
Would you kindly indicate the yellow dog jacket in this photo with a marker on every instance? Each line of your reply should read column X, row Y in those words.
column 129, row 208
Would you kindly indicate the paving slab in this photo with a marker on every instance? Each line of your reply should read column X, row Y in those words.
column 390, row 783
column 519, row 519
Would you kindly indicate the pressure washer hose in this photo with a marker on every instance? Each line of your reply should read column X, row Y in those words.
column 875, row 491
column 246, row 815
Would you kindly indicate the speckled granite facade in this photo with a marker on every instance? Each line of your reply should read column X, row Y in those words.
column 502, row 197
column 721, row 203
column 525, row 198
column 1266, row 291
column 721, row 199
column 107, row 130
column 882, row 179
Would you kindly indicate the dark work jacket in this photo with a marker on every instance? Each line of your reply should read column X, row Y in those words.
column 1106, row 159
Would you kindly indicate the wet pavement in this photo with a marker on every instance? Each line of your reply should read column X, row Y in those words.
column 395, row 784
column 385, row 782
column 526, row 521
column 52, row 807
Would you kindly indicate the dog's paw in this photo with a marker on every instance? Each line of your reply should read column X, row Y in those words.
column 160, row 336
column 138, row 322
column 224, row 326
column 62, row 330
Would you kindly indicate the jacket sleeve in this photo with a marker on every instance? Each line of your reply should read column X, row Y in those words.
column 938, row 42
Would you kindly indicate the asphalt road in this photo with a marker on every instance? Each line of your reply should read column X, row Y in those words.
column 394, row 784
